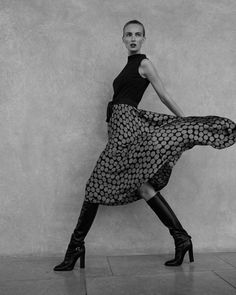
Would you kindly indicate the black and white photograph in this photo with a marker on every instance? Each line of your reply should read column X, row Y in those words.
column 118, row 158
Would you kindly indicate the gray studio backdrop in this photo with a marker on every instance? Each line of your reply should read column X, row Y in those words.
column 58, row 59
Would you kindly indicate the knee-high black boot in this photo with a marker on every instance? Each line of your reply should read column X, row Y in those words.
column 76, row 248
column 183, row 243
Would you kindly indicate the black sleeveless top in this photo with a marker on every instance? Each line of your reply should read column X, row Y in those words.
column 129, row 85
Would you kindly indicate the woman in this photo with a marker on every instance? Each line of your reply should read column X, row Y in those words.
column 142, row 149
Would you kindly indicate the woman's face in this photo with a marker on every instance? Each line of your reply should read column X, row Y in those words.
column 133, row 38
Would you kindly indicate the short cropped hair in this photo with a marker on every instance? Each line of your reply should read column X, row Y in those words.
column 134, row 21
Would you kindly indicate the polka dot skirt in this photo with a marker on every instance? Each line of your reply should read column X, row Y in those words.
column 144, row 146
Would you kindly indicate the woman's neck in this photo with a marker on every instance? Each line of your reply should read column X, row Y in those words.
column 133, row 53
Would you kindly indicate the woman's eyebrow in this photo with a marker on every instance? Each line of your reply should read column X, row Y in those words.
column 134, row 32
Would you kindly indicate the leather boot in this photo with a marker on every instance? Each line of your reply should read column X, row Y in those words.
column 182, row 240
column 76, row 248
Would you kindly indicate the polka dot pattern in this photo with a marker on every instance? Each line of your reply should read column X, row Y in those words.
column 144, row 146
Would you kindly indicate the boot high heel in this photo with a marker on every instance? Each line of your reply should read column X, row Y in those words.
column 180, row 252
column 71, row 257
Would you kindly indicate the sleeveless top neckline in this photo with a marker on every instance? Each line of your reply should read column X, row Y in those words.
column 136, row 55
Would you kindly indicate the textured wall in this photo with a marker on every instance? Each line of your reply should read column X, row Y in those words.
column 58, row 59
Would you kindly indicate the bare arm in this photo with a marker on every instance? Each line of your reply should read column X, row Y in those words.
column 148, row 71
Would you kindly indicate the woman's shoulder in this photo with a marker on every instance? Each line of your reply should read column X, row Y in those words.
column 147, row 68
column 146, row 64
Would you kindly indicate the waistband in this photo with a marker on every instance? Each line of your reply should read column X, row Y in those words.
column 110, row 108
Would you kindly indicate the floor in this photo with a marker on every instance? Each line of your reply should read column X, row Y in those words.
column 211, row 273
